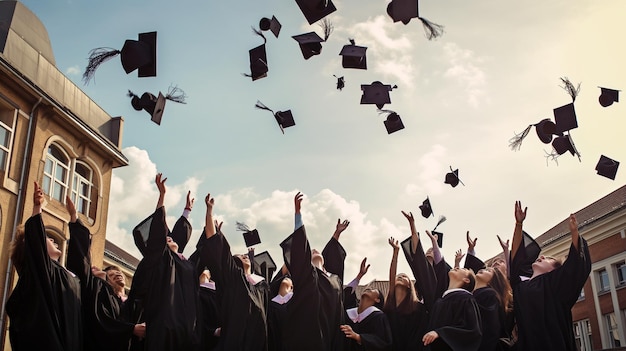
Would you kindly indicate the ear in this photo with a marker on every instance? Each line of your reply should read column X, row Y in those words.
column 466, row 280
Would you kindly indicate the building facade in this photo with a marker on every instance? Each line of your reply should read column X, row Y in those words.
column 51, row 133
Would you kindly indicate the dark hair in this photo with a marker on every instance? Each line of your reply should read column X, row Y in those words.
column 17, row 249
column 112, row 268
column 381, row 303
column 407, row 306
column 472, row 281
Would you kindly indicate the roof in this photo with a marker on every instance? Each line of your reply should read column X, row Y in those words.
column 120, row 256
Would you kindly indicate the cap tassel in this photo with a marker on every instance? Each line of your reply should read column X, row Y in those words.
column 259, row 33
column 552, row 156
column 460, row 181
column 96, row 57
column 260, row 105
column 327, row 28
column 130, row 94
column 242, row 227
column 442, row 219
column 515, row 143
column 433, row 30
column 570, row 88
column 176, row 94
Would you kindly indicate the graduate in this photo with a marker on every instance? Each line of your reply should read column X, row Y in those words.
column 117, row 280
column 44, row 307
column 367, row 327
column 316, row 308
column 277, row 309
column 209, row 316
column 243, row 295
column 104, row 325
column 543, row 302
column 168, row 282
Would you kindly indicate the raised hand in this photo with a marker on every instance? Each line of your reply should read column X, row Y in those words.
column 38, row 199
column 190, row 201
column 409, row 217
column 297, row 202
column 340, row 227
column 209, row 201
column 364, row 268
column 394, row 243
column 520, row 215
column 504, row 245
column 458, row 256
column 471, row 244
column 71, row 209
column 433, row 238
column 218, row 226
column 160, row 182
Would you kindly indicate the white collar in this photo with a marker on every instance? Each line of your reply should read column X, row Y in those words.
column 356, row 317
column 523, row 278
column 281, row 300
column 454, row 290
column 209, row 285
column 254, row 279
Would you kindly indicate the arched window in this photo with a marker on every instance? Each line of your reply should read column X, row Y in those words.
column 55, row 174
column 82, row 185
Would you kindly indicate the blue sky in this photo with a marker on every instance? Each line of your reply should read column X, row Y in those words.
column 496, row 69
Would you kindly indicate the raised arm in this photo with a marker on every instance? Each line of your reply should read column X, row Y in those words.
column 78, row 256
column 209, row 223
column 506, row 253
column 297, row 204
column 458, row 256
column 520, row 216
column 573, row 228
column 414, row 234
column 181, row 232
column 471, row 244
column 334, row 254
column 160, row 183
column 393, row 266
column 349, row 296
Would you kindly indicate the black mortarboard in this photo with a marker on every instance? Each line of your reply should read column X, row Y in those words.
column 607, row 167
column 427, row 211
column 405, row 10
column 283, row 118
column 310, row 44
column 250, row 236
column 264, row 265
column 155, row 105
column 341, row 82
column 376, row 93
column 608, row 96
column 563, row 144
column 270, row 24
column 474, row 263
column 452, row 178
column 393, row 123
column 315, row 10
column 439, row 238
column 545, row 130
column 565, row 118
column 258, row 63
column 137, row 55
column 353, row 56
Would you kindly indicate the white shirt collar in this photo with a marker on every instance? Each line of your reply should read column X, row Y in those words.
column 281, row 300
column 254, row 279
column 209, row 285
column 356, row 317
column 454, row 290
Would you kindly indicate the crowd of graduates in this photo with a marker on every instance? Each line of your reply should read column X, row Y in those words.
column 217, row 300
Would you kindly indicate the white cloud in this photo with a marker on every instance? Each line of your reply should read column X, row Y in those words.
column 429, row 179
column 73, row 71
column 465, row 69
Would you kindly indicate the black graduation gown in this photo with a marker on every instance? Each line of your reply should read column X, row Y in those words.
column 208, row 319
column 276, row 320
column 375, row 333
column 456, row 318
column 104, row 326
column 171, row 299
column 491, row 316
column 45, row 306
column 316, row 308
column 543, row 305
column 244, row 305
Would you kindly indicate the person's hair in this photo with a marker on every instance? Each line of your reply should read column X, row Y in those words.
column 558, row 262
column 238, row 262
column 381, row 303
column 17, row 249
column 406, row 306
column 112, row 268
column 503, row 290
column 469, row 286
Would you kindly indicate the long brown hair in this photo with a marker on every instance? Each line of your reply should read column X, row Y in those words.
column 501, row 285
column 17, row 249
column 406, row 306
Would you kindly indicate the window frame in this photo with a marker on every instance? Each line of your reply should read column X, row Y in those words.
column 52, row 175
column 76, row 194
column 6, row 149
column 601, row 287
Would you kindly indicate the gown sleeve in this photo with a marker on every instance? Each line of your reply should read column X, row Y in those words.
column 334, row 257
column 181, row 233
column 569, row 279
column 423, row 272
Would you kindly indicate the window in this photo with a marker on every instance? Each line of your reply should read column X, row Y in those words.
column 55, row 174
column 621, row 273
column 582, row 334
column 6, row 130
column 611, row 327
column 581, row 296
column 82, row 185
column 603, row 279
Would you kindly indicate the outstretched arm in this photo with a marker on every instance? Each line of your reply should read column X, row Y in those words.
column 471, row 244
column 341, row 226
column 520, row 216
column 209, row 223
column 458, row 256
column 160, row 183
column 506, row 253
column 414, row 234
column 297, row 204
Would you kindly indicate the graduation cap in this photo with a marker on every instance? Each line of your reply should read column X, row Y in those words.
column 427, row 211
column 564, row 143
column 393, row 123
column 376, row 93
column 439, row 234
column 155, row 105
column 565, row 118
column 283, row 118
column 608, row 96
column 264, row 265
column 311, row 43
column 353, row 56
column 270, row 24
column 137, row 55
column 315, row 10
column 452, row 178
column 341, row 82
column 405, row 10
column 250, row 236
column 607, row 167
column 545, row 129
column 258, row 63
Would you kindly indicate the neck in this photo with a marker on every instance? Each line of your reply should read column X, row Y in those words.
column 479, row 284
column 401, row 294
column 455, row 285
column 119, row 290
column 362, row 307
column 282, row 292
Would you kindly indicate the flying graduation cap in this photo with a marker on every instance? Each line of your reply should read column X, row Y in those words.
column 155, row 105
column 264, row 265
column 564, row 121
column 272, row 25
column 353, row 56
column 311, row 43
column 341, row 82
column 439, row 234
column 283, row 118
column 315, row 10
column 452, row 178
column 608, row 96
column 250, row 236
column 426, row 209
column 137, row 55
column 405, row 10
column 258, row 59
column 376, row 93
column 393, row 123
column 607, row 167
column 546, row 130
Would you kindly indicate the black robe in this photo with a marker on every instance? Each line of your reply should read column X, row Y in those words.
column 374, row 329
column 208, row 319
column 316, row 308
column 276, row 320
column 543, row 305
column 456, row 318
column 244, row 305
column 104, row 326
column 170, row 300
column 491, row 316
column 45, row 306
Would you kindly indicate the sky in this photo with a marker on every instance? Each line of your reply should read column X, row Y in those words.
column 462, row 97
